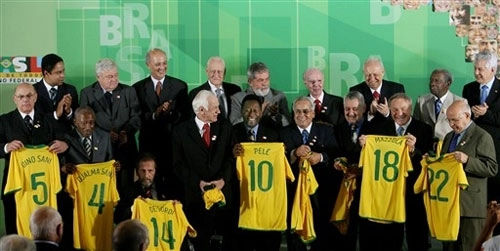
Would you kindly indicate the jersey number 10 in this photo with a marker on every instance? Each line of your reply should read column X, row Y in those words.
column 258, row 175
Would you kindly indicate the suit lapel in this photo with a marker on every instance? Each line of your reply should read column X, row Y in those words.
column 149, row 91
column 117, row 100
column 99, row 96
column 494, row 92
column 77, row 143
column 194, row 133
column 429, row 106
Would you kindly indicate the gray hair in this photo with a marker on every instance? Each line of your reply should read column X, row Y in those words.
column 255, row 68
column 309, row 70
column 489, row 57
column 400, row 95
column 154, row 50
column 130, row 235
column 104, row 64
column 355, row 95
column 84, row 110
column 201, row 100
column 44, row 222
column 212, row 59
column 304, row 98
column 14, row 242
column 374, row 59
column 447, row 74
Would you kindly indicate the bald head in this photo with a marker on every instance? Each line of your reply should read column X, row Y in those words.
column 130, row 235
column 46, row 224
column 458, row 115
column 25, row 97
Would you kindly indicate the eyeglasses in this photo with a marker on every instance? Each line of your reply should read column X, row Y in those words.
column 304, row 111
column 29, row 96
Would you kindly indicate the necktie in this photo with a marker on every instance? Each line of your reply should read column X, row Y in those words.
column 206, row 134
column 437, row 107
column 88, row 146
column 147, row 193
column 158, row 88
column 400, row 131
column 354, row 133
column 484, row 94
column 109, row 99
column 53, row 93
column 28, row 122
column 251, row 135
column 222, row 102
column 453, row 143
column 305, row 136
column 317, row 107
column 376, row 95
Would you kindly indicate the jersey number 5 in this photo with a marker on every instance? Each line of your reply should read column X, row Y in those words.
column 35, row 184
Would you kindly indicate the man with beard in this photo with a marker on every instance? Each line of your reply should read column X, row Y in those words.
column 275, row 106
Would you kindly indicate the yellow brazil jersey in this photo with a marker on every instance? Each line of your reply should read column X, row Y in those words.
column 262, row 172
column 166, row 223
column 386, row 162
column 34, row 177
column 345, row 197
column 302, row 216
column 441, row 179
column 93, row 188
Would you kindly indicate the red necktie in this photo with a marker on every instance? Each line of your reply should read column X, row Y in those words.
column 317, row 108
column 158, row 88
column 376, row 95
column 206, row 134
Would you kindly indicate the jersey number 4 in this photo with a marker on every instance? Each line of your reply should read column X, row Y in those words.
column 165, row 228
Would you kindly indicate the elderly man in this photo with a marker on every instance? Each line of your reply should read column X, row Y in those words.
column 419, row 141
column 14, row 242
column 117, row 112
column 375, row 89
column 474, row 148
column 55, row 96
column 327, row 108
column 130, row 235
column 46, row 227
column 202, row 161
column 216, row 71
column 164, row 104
column 483, row 96
column 275, row 107
column 24, row 126
column 315, row 141
column 431, row 108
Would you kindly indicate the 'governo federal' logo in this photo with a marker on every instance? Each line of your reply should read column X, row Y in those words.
column 20, row 69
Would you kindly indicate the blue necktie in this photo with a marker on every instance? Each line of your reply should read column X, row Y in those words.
column 484, row 94
column 437, row 107
column 400, row 131
column 305, row 136
column 453, row 143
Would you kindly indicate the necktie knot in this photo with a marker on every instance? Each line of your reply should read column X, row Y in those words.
column 206, row 134
column 305, row 136
column 53, row 93
column 28, row 122
column 158, row 88
column 400, row 131
column 251, row 135
column 454, row 142
column 317, row 106
column 376, row 95
column 484, row 94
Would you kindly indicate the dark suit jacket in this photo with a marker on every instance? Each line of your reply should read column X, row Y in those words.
column 12, row 128
column 194, row 162
column 264, row 134
column 101, row 148
column 388, row 89
column 45, row 105
column 154, row 133
column 478, row 145
column 347, row 148
column 491, row 120
column 124, row 116
column 332, row 110
column 123, row 211
column 229, row 90
column 44, row 246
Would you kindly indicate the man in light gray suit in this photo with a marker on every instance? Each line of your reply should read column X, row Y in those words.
column 473, row 147
column 117, row 111
column 431, row 108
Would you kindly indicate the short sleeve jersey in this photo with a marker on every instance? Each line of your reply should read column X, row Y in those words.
column 386, row 162
column 302, row 217
column 93, row 188
column 166, row 223
column 262, row 172
column 34, row 177
column 441, row 179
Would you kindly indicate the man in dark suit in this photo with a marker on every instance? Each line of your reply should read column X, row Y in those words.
column 164, row 104
column 54, row 96
column 46, row 228
column 202, row 160
column 118, row 113
column 375, row 89
column 251, row 131
column 275, row 107
column 146, row 187
column 419, row 138
column 472, row 146
column 327, row 108
column 316, row 142
column 483, row 96
column 24, row 126
column 216, row 71
column 347, row 133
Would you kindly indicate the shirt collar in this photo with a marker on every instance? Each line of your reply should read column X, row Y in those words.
column 320, row 98
column 308, row 128
column 200, row 124
column 405, row 125
column 378, row 89
column 255, row 129
column 48, row 87
column 155, row 81
column 32, row 114
column 443, row 98
column 489, row 84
